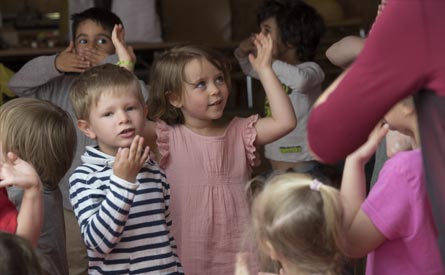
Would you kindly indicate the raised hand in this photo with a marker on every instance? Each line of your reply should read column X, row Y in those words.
column 263, row 59
column 365, row 152
column 126, row 55
column 16, row 172
column 247, row 46
column 69, row 61
column 129, row 161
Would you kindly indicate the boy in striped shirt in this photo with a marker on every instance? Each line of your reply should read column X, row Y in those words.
column 120, row 197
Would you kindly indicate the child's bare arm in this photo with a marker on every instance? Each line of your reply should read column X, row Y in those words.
column 283, row 118
column 361, row 235
column 126, row 55
column 17, row 172
column 345, row 51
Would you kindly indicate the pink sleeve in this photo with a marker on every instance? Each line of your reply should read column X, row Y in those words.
column 8, row 213
column 388, row 205
column 389, row 68
column 249, row 136
column 163, row 142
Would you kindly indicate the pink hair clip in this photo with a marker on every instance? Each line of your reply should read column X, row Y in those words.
column 315, row 185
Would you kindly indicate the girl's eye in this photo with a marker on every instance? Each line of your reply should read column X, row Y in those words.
column 102, row 41
column 131, row 108
column 107, row 114
column 220, row 80
column 201, row 84
column 82, row 41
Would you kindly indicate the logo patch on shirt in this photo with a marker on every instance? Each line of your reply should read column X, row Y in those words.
column 290, row 149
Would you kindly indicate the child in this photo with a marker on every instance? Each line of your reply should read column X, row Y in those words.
column 297, row 221
column 43, row 135
column 121, row 199
column 207, row 162
column 296, row 29
column 18, row 256
column 51, row 77
column 396, row 218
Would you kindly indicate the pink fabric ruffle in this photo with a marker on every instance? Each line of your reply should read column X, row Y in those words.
column 163, row 142
column 249, row 137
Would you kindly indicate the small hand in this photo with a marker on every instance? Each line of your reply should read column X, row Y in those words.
column 365, row 152
column 69, row 61
column 263, row 59
column 16, row 172
column 247, row 46
column 93, row 56
column 129, row 161
column 123, row 51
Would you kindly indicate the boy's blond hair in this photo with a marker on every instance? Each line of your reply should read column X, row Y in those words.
column 301, row 224
column 102, row 79
column 40, row 133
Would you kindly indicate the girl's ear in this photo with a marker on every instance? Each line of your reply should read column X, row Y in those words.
column 85, row 128
column 174, row 99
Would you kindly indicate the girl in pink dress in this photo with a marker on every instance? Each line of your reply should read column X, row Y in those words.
column 208, row 163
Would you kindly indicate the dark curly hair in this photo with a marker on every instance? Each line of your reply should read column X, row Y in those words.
column 300, row 25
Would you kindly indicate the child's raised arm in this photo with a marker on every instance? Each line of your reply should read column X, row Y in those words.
column 17, row 172
column 361, row 235
column 283, row 118
column 125, row 53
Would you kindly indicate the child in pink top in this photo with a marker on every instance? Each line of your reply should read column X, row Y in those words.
column 394, row 224
column 207, row 163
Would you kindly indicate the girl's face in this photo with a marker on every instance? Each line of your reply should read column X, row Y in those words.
column 396, row 117
column 204, row 94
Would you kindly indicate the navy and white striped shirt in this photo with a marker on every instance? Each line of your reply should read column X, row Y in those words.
column 125, row 225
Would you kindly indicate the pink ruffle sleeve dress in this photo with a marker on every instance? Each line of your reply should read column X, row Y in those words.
column 207, row 176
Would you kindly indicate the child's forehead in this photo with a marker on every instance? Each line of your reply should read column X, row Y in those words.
column 91, row 26
column 199, row 67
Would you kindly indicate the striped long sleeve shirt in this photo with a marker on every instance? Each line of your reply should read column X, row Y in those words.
column 125, row 225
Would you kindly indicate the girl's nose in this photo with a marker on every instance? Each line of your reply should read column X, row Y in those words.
column 214, row 89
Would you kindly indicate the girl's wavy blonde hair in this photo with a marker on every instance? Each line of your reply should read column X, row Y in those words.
column 302, row 225
column 167, row 78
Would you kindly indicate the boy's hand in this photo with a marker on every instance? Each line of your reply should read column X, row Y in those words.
column 129, row 161
column 16, row 172
column 69, row 61
column 263, row 59
column 365, row 152
column 93, row 56
column 124, row 52
column 247, row 46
